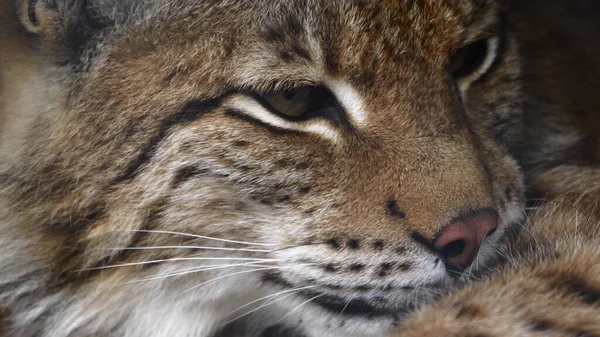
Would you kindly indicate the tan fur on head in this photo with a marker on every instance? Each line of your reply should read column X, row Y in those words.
column 148, row 174
column 547, row 281
column 150, row 154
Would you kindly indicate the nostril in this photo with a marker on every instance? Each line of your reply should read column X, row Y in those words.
column 453, row 249
column 460, row 241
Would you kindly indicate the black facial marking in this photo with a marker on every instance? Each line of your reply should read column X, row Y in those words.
column 245, row 168
column 331, row 268
column 393, row 209
column 240, row 143
column 184, row 174
column 274, row 35
column 283, row 163
column 285, row 55
column 580, row 288
column 284, row 199
column 334, row 243
column 384, row 269
column 387, row 265
column 301, row 52
column 423, row 241
column 508, row 191
column 280, row 331
column 353, row 244
column 378, row 244
column 404, row 266
column 294, row 26
column 356, row 267
column 191, row 112
column 356, row 307
column 305, row 189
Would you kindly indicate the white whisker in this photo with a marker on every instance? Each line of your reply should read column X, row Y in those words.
column 197, row 270
column 346, row 306
column 192, row 247
column 273, row 295
column 298, row 307
column 242, row 272
column 200, row 237
column 292, row 291
column 182, row 259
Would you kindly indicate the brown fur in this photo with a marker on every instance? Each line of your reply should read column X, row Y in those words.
column 547, row 282
column 130, row 126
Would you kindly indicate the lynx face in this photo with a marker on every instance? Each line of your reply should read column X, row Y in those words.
column 346, row 154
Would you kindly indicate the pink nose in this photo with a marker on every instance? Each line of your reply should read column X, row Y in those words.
column 459, row 243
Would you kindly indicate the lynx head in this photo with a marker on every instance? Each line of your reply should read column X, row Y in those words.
column 348, row 154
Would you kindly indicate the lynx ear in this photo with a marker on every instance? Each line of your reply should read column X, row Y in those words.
column 68, row 29
column 34, row 15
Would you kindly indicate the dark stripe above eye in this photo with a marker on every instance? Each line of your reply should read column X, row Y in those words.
column 189, row 113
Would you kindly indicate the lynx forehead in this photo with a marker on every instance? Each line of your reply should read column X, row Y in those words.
column 331, row 162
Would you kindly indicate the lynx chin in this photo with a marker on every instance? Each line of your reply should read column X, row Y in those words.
column 315, row 168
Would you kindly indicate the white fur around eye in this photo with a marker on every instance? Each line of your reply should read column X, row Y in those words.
column 350, row 99
column 252, row 108
column 491, row 55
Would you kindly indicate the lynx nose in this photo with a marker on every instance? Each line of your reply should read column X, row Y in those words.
column 460, row 241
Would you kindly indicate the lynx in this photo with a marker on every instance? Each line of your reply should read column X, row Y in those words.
column 184, row 167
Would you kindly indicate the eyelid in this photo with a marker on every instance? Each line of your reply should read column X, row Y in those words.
column 277, row 86
column 488, row 34
column 493, row 45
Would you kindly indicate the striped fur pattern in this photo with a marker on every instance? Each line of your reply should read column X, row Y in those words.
column 547, row 283
column 146, row 189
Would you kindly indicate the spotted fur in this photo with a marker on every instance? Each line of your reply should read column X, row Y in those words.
column 547, row 281
column 145, row 188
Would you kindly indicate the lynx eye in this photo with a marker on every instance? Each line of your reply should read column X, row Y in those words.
column 292, row 102
column 472, row 61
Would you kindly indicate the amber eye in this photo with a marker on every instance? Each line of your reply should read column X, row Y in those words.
column 474, row 59
column 293, row 102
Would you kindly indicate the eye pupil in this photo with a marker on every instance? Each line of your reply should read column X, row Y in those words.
column 289, row 94
column 295, row 102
